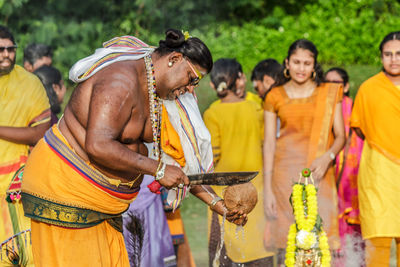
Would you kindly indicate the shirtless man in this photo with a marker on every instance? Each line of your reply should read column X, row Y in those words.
column 101, row 138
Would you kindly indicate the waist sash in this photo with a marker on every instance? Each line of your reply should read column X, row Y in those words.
column 50, row 212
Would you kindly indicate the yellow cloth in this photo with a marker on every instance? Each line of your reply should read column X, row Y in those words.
column 377, row 251
column 378, row 190
column 235, row 137
column 170, row 142
column 377, row 113
column 23, row 103
column 99, row 245
column 254, row 97
column 249, row 96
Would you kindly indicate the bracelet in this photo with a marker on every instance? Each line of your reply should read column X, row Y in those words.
column 332, row 156
column 161, row 171
column 214, row 201
column 158, row 167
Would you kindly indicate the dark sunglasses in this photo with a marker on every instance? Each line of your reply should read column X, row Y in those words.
column 9, row 49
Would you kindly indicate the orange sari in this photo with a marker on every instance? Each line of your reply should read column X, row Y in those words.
column 305, row 134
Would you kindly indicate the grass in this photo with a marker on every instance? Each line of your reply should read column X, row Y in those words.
column 194, row 214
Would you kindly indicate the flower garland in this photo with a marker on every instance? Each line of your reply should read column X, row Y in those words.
column 324, row 247
column 303, row 233
column 291, row 246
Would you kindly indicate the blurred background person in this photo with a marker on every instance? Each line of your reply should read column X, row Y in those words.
column 37, row 55
column 234, row 125
column 24, row 118
column 376, row 117
column 311, row 134
column 53, row 82
column 265, row 74
column 346, row 171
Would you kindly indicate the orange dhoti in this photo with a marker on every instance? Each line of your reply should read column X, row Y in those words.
column 75, row 209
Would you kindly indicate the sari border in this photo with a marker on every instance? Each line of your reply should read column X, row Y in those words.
column 323, row 120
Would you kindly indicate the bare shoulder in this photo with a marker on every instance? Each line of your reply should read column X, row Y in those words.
column 115, row 90
column 119, row 77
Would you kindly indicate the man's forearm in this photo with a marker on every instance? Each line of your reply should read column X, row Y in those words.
column 23, row 135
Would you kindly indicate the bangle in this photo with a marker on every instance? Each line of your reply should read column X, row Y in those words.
column 214, row 201
column 332, row 156
column 160, row 172
column 158, row 167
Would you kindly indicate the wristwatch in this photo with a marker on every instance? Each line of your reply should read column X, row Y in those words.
column 332, row 156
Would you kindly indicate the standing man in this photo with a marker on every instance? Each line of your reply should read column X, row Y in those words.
column 96, row 155
column 24, row 118
column 37, row 55
column 376, row 117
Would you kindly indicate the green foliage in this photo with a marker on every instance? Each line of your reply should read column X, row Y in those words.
column 345, row 32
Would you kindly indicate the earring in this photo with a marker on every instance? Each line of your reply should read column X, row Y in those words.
column 286, row 73
column 170, row 64
column 313, row 74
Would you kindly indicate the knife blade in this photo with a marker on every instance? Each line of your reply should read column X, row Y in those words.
column 221, row 178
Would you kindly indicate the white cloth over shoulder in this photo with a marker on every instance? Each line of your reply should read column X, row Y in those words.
column 114, row 50
column 195, row 138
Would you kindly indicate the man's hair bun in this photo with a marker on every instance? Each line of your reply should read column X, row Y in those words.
column 173, row 38
column 192, row 48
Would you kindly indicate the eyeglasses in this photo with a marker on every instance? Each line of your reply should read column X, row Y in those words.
column 194, row 81
column 9, row 49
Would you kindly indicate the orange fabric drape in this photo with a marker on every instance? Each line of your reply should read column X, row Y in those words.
column 305, row 133
column 52, row 245
column 377, row 113
column 170, row 142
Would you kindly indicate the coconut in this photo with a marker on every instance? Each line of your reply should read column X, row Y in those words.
column 241, row 197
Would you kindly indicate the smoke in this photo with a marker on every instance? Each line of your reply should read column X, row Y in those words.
column 353, row 251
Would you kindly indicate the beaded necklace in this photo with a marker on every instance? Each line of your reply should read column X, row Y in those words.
column 155, row 106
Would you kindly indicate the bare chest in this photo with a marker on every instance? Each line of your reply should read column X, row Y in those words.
column 138, row 129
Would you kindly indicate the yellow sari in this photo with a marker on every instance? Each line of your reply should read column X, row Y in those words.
column 23, row 103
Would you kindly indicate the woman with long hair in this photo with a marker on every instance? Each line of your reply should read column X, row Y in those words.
column 53, row 82
column 346, row 172
column 311, row 134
